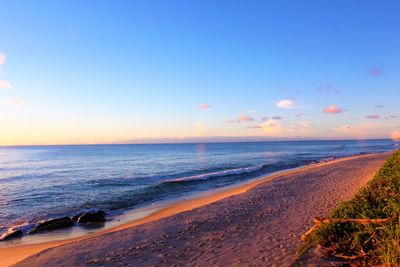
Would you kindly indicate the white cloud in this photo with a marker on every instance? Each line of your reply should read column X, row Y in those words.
column 2, row 58
column 283, row 129
column 4, row 85
column 272, row 127
column 285, row 103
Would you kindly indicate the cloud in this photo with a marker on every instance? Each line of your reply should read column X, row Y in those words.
column 272, row 127
column 373, row 116
column 15, row 101
column 254, row 127
column 391, row 117
column 251, row 111
column 277, row 118
column 395, row 135
column 285, row 103
column 241, row 118
column 4, row 85
column 244, row 118
column 375, row 72
column 276, row 127
column 204, row 106
column 333, row 109
column 2, row 58
column 379, row 106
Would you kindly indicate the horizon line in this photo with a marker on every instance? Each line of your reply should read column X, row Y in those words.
column 200, row 142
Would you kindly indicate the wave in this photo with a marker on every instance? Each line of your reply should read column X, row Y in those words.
column 168, row 189
column 247, row 171
column 206, row 176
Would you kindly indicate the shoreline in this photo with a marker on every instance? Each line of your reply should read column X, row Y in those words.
column 20, row 252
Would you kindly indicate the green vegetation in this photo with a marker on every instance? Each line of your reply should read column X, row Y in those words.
column 369, row 244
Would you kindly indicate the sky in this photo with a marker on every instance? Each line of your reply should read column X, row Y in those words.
column 85, row 72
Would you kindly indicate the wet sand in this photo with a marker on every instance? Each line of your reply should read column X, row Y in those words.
column 256, row 224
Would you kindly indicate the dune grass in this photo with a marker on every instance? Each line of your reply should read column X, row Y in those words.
column 366, row 244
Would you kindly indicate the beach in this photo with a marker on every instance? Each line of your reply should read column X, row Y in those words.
column 259, row 223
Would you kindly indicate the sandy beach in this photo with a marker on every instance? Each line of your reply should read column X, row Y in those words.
column 256, row 224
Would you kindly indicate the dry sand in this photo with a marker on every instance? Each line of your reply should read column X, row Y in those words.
column 258, row 224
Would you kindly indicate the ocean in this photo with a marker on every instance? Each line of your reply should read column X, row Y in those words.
column 43, row 182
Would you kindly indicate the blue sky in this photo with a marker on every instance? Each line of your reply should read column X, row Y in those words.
column 149, row 71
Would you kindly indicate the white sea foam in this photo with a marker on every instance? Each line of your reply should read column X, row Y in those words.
column 205, row 176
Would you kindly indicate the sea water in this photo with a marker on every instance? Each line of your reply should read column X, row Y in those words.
column 44, row 182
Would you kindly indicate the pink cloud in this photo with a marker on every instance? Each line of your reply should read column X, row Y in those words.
column 244, row 118
column 241, row 118
column 373, row 116
column 2, row 58
column 333, row 109
column 204, row 106
column 375, row 72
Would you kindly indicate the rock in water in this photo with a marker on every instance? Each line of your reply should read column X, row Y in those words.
column 99, row 216
column 53, row 224
column 11, row 234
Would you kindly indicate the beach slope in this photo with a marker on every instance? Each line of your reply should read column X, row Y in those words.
column 260, row 226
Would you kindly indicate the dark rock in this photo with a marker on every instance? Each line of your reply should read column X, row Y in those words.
column 76, row 217
column 11, row 234
column 53, row 224
column 99, row 216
